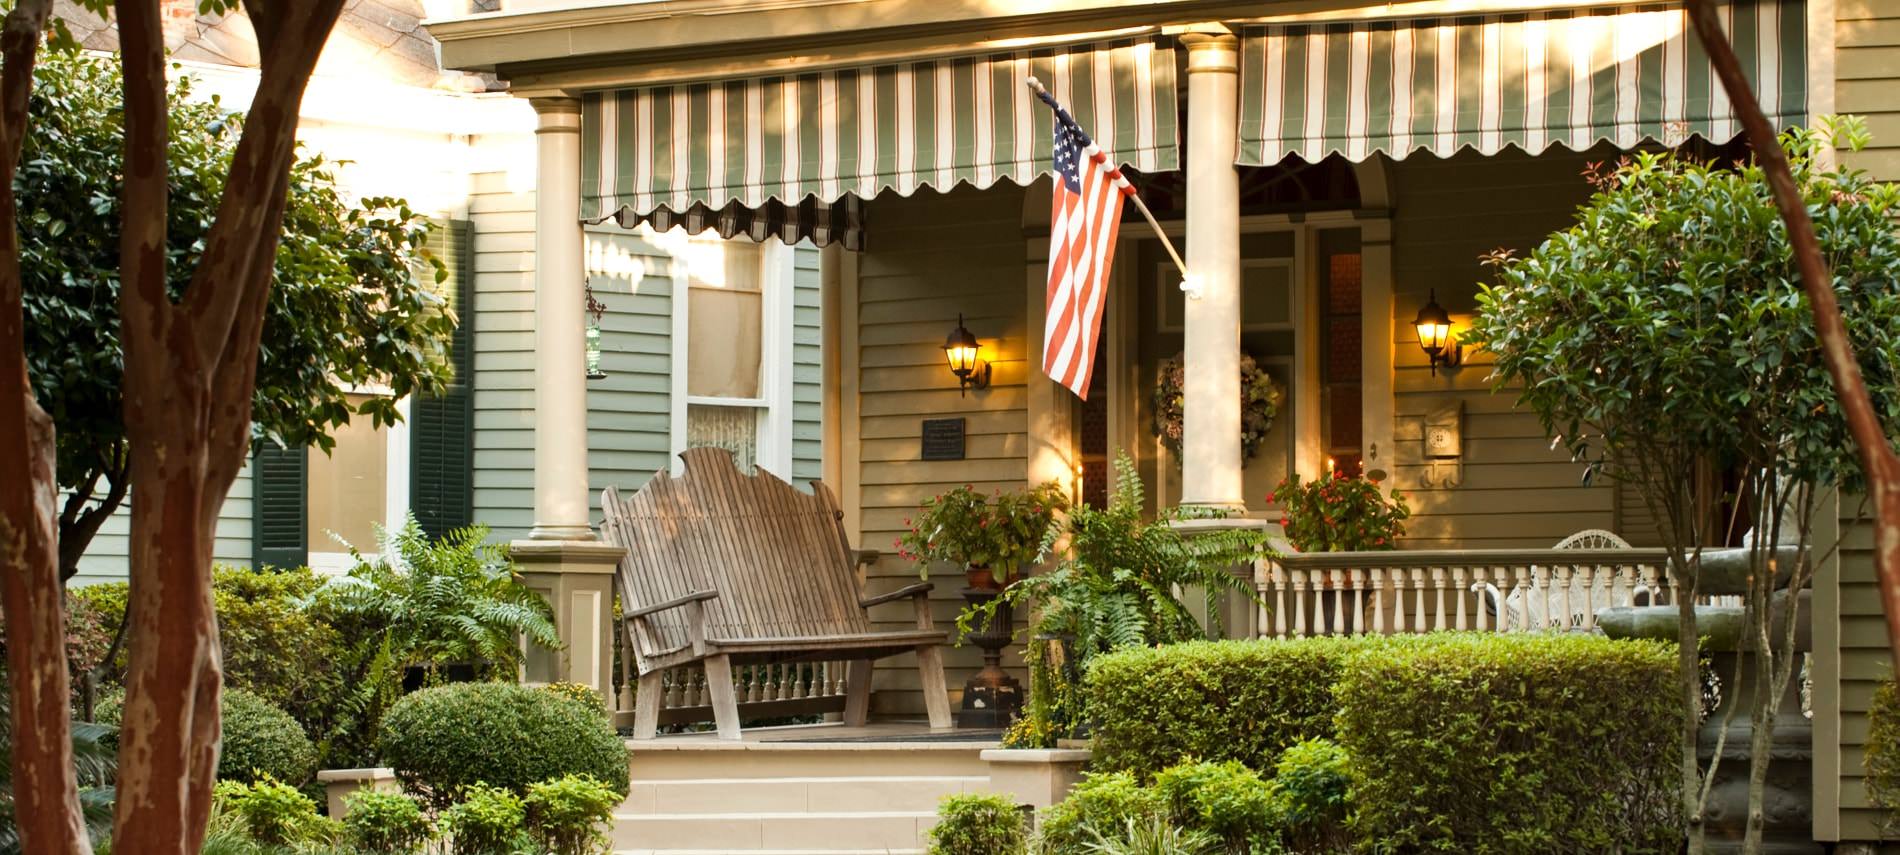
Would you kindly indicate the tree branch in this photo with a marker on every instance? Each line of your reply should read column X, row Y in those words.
column 1863, row 422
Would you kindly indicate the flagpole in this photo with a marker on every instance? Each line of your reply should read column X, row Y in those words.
column 1166, row 242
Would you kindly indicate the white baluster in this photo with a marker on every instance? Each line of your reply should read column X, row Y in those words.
column 1319, row 602
column 1339, row 601
column 1358, row 601
column 1521, row 587
column 1458, row 593
column 1398, row 601
column 1482, row 598
column 1568, row 615
column 1279, row 581
column 1418, row 600
column 1299, row 603
column 1541, row 590
column 1378, row 600
column 1438, row 597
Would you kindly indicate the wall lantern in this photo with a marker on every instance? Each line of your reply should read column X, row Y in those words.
column 595, row 309
column 961, row 349
column 1434, row 334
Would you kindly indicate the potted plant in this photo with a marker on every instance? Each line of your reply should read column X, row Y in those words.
column 1340, row 513
column 990, row 537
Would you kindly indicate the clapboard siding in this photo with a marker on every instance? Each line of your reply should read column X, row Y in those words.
column 1867, row 68
column 106, row 559
column 1516, row 491
column 628, row 410
column 930, row 257
column 808, row 370
column 503, row 221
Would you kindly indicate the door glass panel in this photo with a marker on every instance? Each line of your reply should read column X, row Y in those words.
column 348, row 487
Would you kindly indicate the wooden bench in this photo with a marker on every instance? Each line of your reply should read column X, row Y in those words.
column 726, row 569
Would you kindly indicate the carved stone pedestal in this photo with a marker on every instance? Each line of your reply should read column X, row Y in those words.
column 991, row 697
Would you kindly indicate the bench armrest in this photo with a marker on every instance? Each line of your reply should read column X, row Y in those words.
column 865, row 557
column 917, row 590
column 676, row 602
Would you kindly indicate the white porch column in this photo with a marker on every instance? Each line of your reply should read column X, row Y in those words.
column 1211, row 461
column 560, row 361
column 561, row 558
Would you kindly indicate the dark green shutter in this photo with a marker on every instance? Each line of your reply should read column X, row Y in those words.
column 279, row 509
column 442, row 428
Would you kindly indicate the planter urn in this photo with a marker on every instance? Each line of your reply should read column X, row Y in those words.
column 991, row 697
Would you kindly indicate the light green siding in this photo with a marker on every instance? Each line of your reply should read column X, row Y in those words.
column 808, row 395
column 106, row 559
column 1516, row 491
column 628, row 410
column 503, row 222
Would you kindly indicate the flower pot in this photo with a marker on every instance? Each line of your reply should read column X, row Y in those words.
column 991, row 697
column 981, row 577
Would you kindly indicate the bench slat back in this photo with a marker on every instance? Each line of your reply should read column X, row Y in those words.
column 777, row 557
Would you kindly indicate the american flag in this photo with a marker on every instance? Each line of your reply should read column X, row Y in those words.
column 1088, row 210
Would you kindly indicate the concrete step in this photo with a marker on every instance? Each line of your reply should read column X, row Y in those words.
column 841, row 831
column 660, row 760
column 812, row 794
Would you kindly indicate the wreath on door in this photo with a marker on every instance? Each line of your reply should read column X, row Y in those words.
column 1259, row 403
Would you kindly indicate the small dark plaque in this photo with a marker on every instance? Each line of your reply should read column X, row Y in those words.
column 943, row 439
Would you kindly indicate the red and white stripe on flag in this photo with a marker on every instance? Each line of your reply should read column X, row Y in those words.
column 1088, row 209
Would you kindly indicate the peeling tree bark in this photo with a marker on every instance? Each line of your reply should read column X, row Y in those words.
column 190, row 372
column 45, row 787
column 1877, row 457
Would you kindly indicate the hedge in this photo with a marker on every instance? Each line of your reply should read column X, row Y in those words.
column 1513, row 743
column 442, row 741
column 1151, row 707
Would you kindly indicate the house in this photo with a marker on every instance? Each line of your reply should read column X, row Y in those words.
column 1333, row 166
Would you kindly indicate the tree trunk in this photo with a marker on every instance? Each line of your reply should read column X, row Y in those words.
column 45, row 784
column 191, row 369
column 78, row 524
column 1689, row 665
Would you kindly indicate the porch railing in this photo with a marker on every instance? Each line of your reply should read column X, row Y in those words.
column 1501, row 590
column 764, row 691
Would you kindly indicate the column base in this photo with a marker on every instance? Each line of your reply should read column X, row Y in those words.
column 577, row 578
column 573, row 533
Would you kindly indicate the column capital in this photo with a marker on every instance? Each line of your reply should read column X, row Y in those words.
column 556, row 115
column 1211, row 48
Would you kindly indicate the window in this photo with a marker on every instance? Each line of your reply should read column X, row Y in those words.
column 732, row 372
column 349, row 490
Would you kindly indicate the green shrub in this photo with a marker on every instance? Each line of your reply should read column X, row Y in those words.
column 1222, row 700
column 274, row 814
column 577, row 691
column 978, row 824
column 1103, row 801
column 1310, row 787
column 1513, row 743
column 441, row 741
column 486, row 822
column 385, row 823
column 1882, row 760
column 1155, row 836
column 570, row 815
column 1227, row 800
column 259, row 741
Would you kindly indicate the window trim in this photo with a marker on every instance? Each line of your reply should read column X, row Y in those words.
column 777, row 281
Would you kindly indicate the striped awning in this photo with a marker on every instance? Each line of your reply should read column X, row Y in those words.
column 1531, row 80
column 807, row 141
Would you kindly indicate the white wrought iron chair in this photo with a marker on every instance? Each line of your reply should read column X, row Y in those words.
column 1514, row 610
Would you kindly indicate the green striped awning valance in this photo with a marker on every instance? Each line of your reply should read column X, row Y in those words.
column 859, row 131
column 1530, row 80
